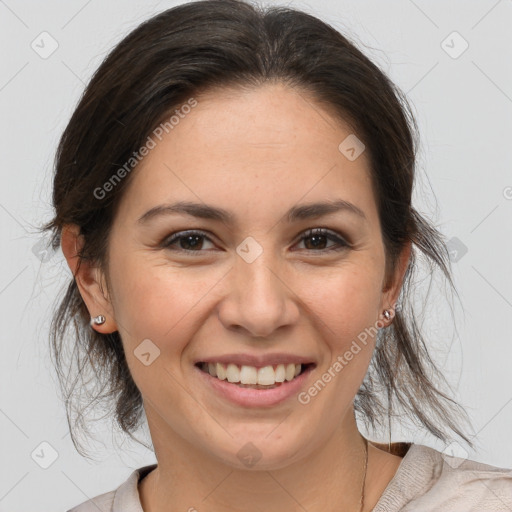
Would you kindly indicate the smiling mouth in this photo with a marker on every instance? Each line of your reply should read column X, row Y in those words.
column 267, row 377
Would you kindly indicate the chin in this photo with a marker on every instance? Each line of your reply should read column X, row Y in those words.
column 260, row 449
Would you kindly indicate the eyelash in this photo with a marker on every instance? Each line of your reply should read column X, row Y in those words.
column 342, row 244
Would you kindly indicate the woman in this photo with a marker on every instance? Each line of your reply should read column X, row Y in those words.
column 233, row 197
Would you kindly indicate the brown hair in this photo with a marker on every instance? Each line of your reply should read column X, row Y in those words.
column 196, row 47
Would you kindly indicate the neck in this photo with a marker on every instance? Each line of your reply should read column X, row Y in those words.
column 186, row 478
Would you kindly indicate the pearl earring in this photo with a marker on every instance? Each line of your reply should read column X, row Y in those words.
column 98, row 320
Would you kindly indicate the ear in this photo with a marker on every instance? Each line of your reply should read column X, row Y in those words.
column 89, row 279
column 392, row 292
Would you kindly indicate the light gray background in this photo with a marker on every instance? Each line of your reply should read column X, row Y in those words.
column 463, row 106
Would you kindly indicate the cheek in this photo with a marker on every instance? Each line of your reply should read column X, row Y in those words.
column 345, row 301
column 154, row 299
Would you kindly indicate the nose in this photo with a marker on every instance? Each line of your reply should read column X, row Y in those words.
column 259, row 300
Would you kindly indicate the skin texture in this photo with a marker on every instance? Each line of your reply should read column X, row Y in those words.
column 255, row 153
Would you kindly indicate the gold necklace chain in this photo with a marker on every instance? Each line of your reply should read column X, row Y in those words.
column 364, row 476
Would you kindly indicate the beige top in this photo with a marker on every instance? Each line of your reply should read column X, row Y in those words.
column 425, row 481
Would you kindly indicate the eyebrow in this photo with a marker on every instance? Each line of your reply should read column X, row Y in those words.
column 294, row 214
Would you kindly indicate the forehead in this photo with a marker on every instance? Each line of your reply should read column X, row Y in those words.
column 271, row 145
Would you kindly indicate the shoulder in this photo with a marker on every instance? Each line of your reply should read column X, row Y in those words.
column 101, row 503
column 428, row 480
column 123, row 499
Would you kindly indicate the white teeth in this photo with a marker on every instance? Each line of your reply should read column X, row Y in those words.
column 290, row 371
column 266, row 376
column 249, row 375
column 280, row 373
column 233, row 373
column 221, row 371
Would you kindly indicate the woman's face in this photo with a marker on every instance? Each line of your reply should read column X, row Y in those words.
column 251, row 285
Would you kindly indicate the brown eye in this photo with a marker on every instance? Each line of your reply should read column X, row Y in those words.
column 187, row 241
column 317, row 239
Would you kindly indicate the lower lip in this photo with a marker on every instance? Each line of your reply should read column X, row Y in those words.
column 250, row 397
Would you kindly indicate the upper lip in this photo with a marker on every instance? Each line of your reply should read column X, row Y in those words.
column 259, row 361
